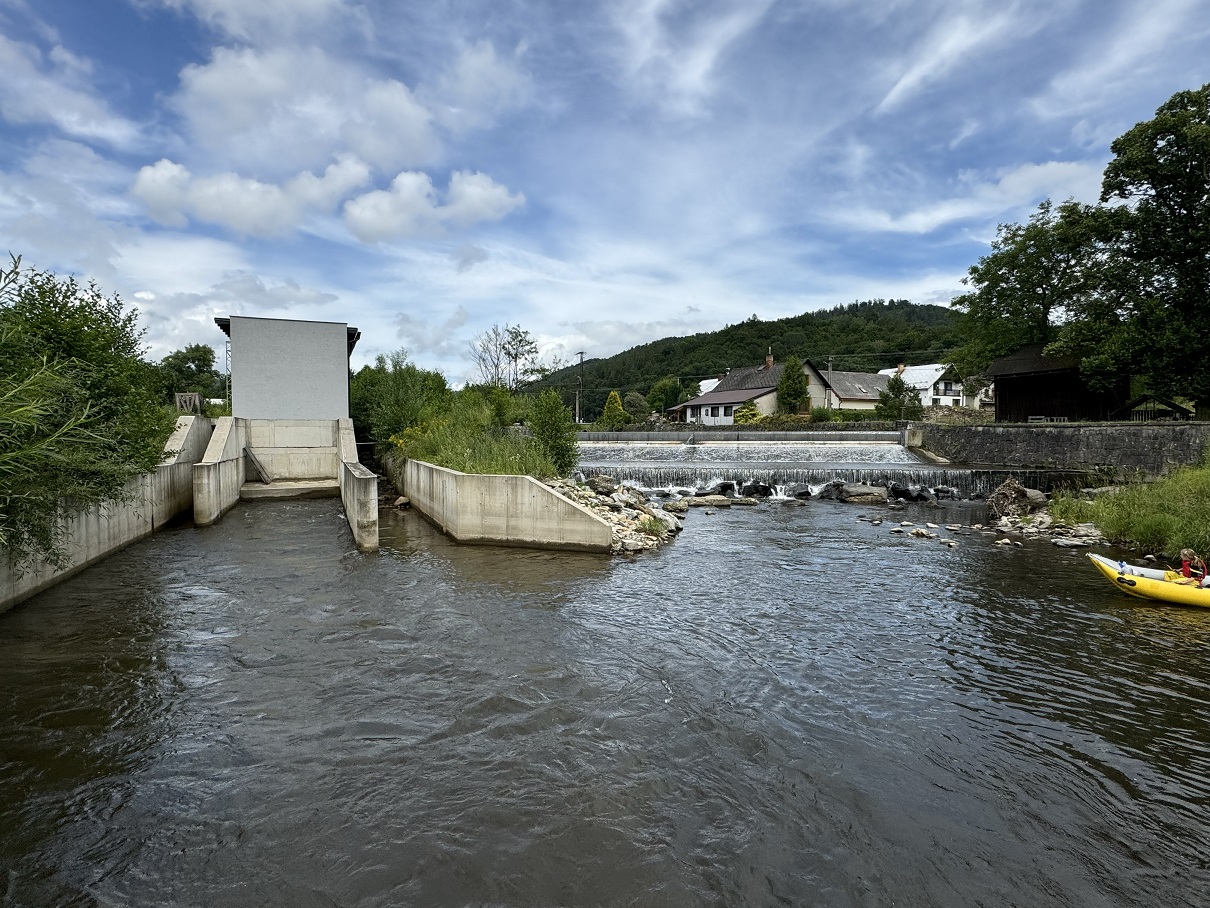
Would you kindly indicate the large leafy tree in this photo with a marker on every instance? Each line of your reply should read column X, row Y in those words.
column 80, row 409
column 792, row 388
column 1161, row 171
column 393, row 395
column 668, row 392
column 192, row 369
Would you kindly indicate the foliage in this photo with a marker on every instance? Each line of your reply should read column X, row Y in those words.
column 784, row 422
column 653, row 526
column 614, row 417
column 861, row 336
column 636, row 405
column 668, row 392
column 1164, row 516
column 554, row 429
column 463, row 437
column 192, row 370
column 746, row 414
column 80, row 410
column 792, row 396
column 1124, row 285
column 394, row 395
column 827, row 414
column 899, row 401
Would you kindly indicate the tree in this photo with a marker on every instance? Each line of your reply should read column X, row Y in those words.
column 192, row 370
column 614, row 417
column 487, row 352
column 1161, row 170
column 393, row 395
column 80, row 410
column 899, row 401
column 667, row 392
column 636, row 405
column 506, row 356
column 792, row 396
column 554, row 428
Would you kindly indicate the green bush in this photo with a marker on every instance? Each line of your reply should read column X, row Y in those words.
column 554, row 430
column 614, row 417
column 80, row 409
column 746, row 414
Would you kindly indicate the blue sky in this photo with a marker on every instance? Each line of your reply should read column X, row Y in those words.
column 602, row 174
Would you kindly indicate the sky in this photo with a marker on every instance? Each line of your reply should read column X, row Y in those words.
column 602, row 174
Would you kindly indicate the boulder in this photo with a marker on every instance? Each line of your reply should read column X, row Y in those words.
column 862, row 494
column 757, row 489
column 602, row 485
column 709, row 501
column 680, row 506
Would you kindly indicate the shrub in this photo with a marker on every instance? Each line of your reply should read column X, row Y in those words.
column 746, row 414
column 554, row 430
column 614, row 417
column 653, row 526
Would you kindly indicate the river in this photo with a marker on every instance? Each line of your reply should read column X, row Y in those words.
column 783, row 706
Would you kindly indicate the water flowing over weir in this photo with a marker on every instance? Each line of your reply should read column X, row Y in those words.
column 876, row 459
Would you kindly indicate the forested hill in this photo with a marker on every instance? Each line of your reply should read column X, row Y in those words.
column 860, row 337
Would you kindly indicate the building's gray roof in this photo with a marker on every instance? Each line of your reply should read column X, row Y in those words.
column 855, row 385
column 748, row 378
column 714, row 398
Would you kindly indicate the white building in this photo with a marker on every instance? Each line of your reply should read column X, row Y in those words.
column 937, row 383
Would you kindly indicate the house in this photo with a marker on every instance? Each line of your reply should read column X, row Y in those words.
column 717, row 406
column 1032, row 386
column 843, row 390
column 937, row 383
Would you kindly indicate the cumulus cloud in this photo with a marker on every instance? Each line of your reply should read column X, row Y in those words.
column 54, row 89
column 477, row 88
column 172, row 195
column 411, row 207
column 288, row 109
column 425, row 335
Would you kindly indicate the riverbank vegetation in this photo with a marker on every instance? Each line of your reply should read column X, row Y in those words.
column 1164, row 516
column 478, row 429
column 81, row 410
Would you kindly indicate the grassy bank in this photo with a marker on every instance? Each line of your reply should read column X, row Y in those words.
column 1161, row 517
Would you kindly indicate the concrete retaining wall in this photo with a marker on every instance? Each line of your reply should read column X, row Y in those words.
column 295, row 448
column 154, row 499
column 220, row 473
column 499, row 510
column 358, row 491
column 1119, row 451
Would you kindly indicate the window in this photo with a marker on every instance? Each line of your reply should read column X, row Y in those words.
column 727, row 411
column 936, row 401
column 714, row 411
column 947, row 388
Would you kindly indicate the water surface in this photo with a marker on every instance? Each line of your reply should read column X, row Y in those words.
column 783, row 706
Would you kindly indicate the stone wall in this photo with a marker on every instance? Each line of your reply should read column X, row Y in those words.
column 1119, row 451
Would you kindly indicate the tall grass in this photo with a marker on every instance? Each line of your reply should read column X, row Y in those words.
column 467, row 437
column 1163, row 517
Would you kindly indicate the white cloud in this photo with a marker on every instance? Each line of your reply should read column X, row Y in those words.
column 249, row 21
column 425, row 335
column 54, row 90
column 1014, row 190
column 477, row 88
column 672, row 56
column 172, row 195
column 279, row 111
column 410, row 207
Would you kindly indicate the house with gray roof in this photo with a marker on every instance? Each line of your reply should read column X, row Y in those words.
column 737, row 387
column 843, row 390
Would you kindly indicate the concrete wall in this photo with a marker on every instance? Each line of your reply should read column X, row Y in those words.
column 217, row 477
column 295, row 448
column 285, row 369
column 154, row 499
column 499, row 510
column 358, row 491
column 1121, row 451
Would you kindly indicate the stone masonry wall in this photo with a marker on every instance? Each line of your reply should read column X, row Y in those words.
column 1121, row 451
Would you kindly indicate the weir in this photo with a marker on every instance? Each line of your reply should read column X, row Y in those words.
column 784, row 464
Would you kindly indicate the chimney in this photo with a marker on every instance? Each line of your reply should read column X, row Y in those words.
column 769, row 359
column 899, row 371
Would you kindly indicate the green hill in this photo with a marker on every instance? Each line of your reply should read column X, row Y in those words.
column 859, row 337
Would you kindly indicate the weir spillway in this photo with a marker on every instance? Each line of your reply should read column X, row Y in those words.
column 873, row 458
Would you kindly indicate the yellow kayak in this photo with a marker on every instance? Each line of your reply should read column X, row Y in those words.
column 1152, row 583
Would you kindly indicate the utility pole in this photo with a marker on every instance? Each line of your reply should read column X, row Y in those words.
column 580, row 385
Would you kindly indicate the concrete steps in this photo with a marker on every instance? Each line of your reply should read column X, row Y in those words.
column 290, row 488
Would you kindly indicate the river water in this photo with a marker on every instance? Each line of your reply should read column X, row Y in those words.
column 783, row 706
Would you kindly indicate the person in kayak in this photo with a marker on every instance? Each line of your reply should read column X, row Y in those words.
column 1192, row 566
